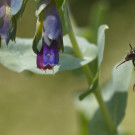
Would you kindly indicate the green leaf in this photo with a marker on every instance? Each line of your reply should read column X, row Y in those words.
column 37, row 36
column 16, row 12
column 100, row 45
column 115, row 94
column 101, row 42
column 59, row 3
column 92, row 88
column 19, row 57
column 83, row 129
column 88, row 49
column 64, row 17
column 12, row 34
column 97, row 17
column 37, row 1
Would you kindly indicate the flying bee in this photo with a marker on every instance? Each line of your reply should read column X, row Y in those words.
column 130, row 56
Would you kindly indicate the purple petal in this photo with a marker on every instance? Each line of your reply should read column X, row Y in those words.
column 15, row 5
column 5, row 27
column 51, row 22
column 46, row 39
column 40, row 59
column 50, row 54
column 40, row 63
column 2, row 9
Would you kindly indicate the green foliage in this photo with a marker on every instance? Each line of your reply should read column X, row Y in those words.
column 37, row 36
column 98, row 14
column 37, row 1
column 101, row 43
column 115, row 91
column 17, row 9
column 59, row 3
column 63, row 12
column 19, row 57
column 100, row 47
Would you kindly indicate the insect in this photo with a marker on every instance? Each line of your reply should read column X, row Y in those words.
column 130, row 56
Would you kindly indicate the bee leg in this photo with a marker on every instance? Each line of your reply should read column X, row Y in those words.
column 133, row 61
column 134, row 87
column 130, row 46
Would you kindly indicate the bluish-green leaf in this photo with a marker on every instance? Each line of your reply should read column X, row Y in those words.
column 101, row 42
column 64, row 17
column 88, row 49
column 100, row 46
column 115, row 93
column 92, row 88
column 19, row 57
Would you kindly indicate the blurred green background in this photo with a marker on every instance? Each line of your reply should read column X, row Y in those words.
column 43, row 105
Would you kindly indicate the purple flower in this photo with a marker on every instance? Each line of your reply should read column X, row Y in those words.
column 48, row 56
column 10, row 11
column 49, row 28
column 5, row 20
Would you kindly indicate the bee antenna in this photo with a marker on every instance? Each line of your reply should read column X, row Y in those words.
column 130, row 45
column 121, row 63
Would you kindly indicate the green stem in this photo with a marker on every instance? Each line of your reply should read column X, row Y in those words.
column 79, row 54
column 104, row 110
column 89, row 76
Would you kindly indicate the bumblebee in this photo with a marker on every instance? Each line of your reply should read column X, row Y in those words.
column 130, row 56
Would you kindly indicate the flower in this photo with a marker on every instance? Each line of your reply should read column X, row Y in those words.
column 48, row 56
column 49, row 29
column 10, row 11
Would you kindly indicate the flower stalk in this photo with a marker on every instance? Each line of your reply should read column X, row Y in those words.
column 104, row 111
column 79, row 54
column 89, row 77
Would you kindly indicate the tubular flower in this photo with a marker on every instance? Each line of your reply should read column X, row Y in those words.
column 49, row 30
column 10, row 11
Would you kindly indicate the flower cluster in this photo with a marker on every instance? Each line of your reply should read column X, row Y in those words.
column 49, row 31
column 10, row 11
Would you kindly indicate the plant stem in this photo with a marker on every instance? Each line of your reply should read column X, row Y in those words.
column 89, row 76
column 79, row 54
column 104, row 110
